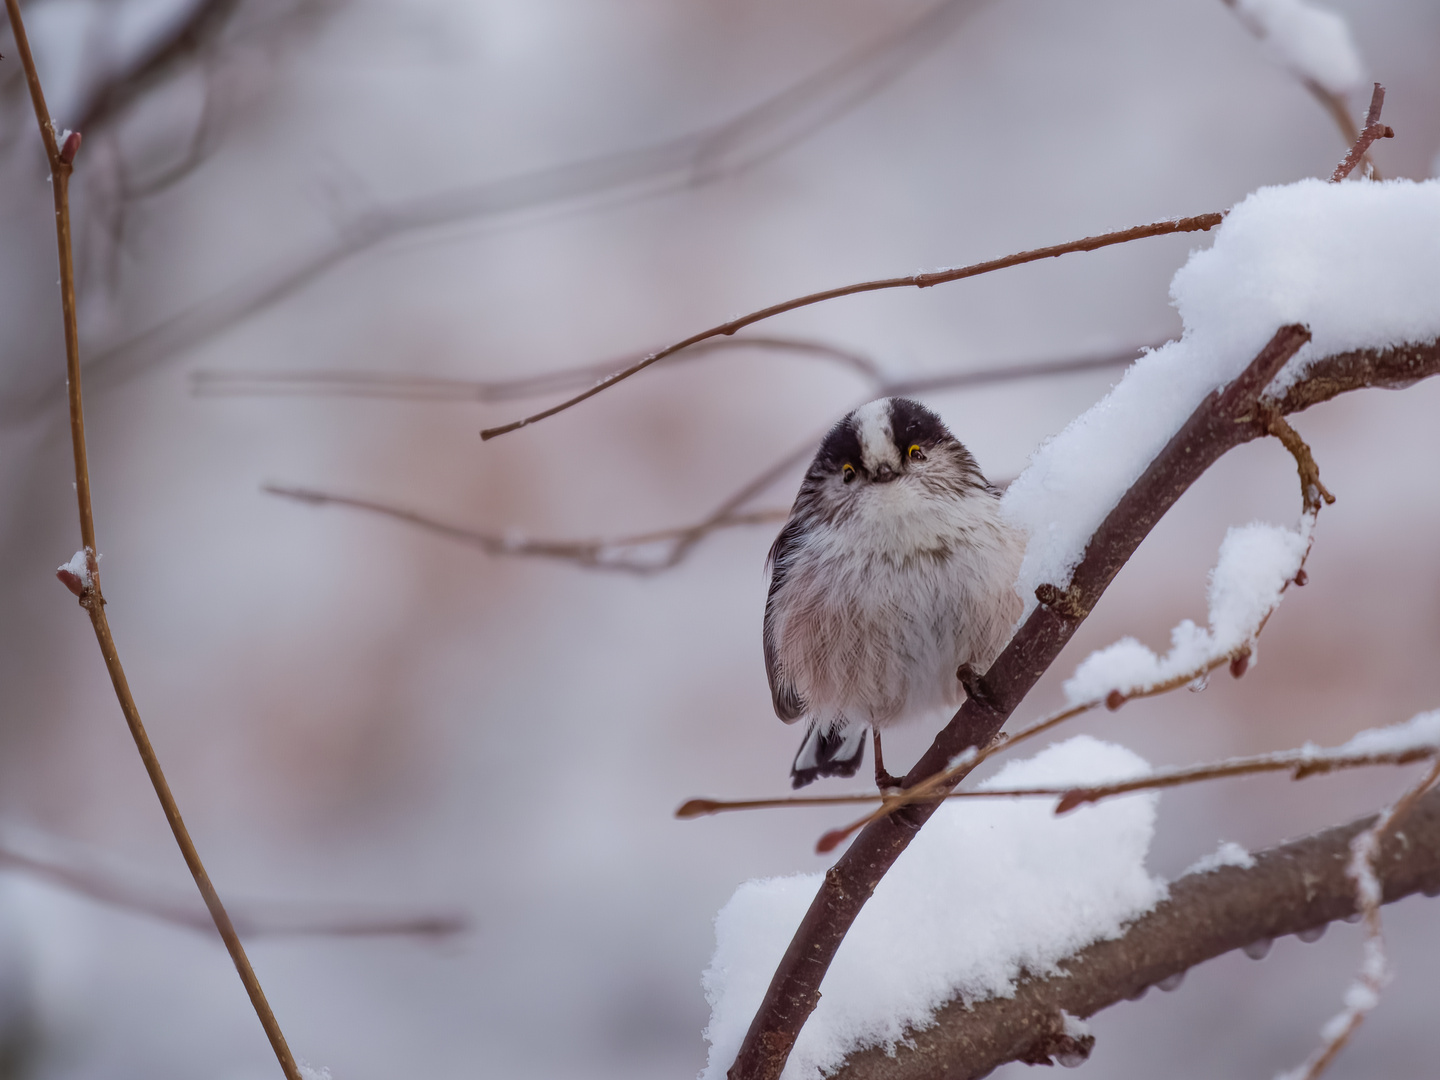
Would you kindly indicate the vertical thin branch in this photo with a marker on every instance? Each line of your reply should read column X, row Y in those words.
column 61, row 158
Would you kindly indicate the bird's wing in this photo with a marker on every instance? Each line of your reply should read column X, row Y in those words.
column 789, row 705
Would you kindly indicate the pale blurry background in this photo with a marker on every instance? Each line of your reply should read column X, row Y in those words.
column 352, row 711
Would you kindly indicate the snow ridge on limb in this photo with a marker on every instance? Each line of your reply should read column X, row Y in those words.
column 1290, row 889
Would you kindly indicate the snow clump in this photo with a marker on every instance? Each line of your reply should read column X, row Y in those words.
column 988, row 889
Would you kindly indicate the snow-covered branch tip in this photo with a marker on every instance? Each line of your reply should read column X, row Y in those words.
column 1238, row 900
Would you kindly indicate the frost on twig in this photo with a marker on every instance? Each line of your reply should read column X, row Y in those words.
column 1364, row 993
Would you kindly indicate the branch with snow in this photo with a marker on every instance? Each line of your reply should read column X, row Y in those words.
column 1358, row 265
column 1364, row 993
column 1242, row 900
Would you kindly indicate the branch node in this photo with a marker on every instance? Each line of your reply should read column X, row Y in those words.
column 1067, row 1043
column 1312, row 491
column 1065, row 602
column 1240, row 663
column 70, row 147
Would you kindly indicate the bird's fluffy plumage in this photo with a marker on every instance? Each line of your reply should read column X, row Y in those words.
column 893, row 570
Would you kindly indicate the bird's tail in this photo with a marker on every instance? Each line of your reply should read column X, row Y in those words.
column 828, row 751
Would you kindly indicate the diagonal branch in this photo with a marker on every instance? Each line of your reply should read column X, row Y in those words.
column 1224, row 420
column 1294, row 888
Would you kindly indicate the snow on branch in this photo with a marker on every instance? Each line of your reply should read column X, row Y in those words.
column 1296, row 888
column 1360, row 265
column 983, row 895
column 1257, row 563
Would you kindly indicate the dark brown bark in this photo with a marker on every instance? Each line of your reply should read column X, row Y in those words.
column 1292, row 888
column 1223, row 420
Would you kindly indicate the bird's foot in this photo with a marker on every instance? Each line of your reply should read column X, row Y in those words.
column 976, row 688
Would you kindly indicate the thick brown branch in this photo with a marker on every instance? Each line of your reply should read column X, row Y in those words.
column 1224, row 420
column 1297, row 887
column 1200, row 223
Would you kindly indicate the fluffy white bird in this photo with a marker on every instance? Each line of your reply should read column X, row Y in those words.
column 893, row 585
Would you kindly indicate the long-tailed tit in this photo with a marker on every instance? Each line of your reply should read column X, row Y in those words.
column 893, row 583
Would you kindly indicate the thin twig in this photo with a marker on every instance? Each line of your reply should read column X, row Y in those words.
column 751, row 137
column 341, row 383
column 92, row 599
column 1374, row 973
column 597, row 554
column 1301, row 764
column 1199, row 223
column 611, row 553
column 1373, row 130
column 263, row 919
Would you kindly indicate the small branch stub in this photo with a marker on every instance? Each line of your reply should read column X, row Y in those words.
column 1373, row 130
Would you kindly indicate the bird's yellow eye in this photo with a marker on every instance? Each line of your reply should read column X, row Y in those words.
column 848, row 472
column 916, row 454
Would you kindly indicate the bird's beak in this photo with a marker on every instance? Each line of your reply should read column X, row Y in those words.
column 884, row 474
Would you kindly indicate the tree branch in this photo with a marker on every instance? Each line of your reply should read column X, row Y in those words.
column 1200, row 223
column 1296, row 887
column 621, row 553
column 258, row 919
column 82, row 575
column 749, row 138
column 1223, row 420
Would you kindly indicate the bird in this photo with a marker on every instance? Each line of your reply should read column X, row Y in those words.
column 892, row 586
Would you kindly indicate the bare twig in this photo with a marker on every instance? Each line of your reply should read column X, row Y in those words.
column 1373, row 130
column 341, row 383
column 92, row 599
column 1200, row 223
column 1364, row 993
column 262, row 919
column 1301, row 764
column 697, row 158
column 1297, row 887
column 599, row 554
column 619, row 553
